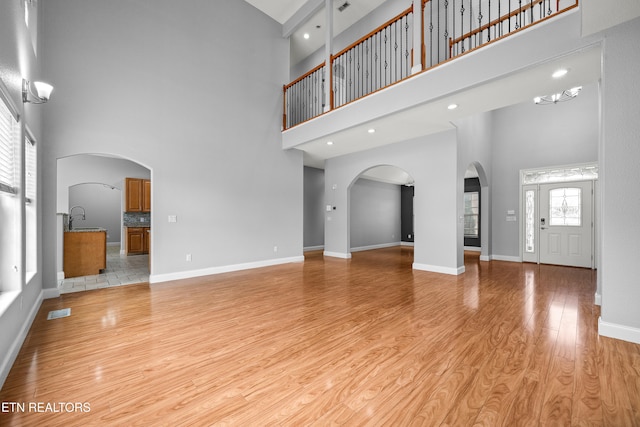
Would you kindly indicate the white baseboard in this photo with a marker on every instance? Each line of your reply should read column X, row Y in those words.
column 620, row 332
column 506, row 258
column 407, row 244
column 158, row 278
column 372, row 247
column 598, row 299
column 313, row 248
column 49, row 293
column 485, row 258
column 337, row 255
column 472, row 249
column 113, row 243
column 438, row 269
column 12, row 354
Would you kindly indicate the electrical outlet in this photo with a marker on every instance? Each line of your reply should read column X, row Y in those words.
column 188, row 257
column 275, row 249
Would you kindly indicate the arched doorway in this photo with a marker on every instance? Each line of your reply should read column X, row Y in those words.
column 381, row 209
column 93, row 184
column 476, row 211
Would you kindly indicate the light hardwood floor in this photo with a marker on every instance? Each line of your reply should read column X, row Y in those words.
column 365, row 341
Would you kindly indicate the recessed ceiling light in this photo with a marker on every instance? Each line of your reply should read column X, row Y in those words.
column 559, row 73
column 452, row 106
column 306, row 36
column 329, row 142
column 371, row 130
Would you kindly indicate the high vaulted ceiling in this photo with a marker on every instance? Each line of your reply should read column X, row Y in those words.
column 289, row 14
column 313, row 24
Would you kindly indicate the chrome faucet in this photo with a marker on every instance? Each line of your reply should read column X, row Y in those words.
column 71, row 215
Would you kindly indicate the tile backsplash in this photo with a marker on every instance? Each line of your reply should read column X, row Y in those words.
column 136, row 219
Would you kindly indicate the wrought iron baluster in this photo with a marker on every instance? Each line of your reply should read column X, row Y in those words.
column 386, row 58
column 531, row 11
column 489, row 28
column 446, row 28
column 405, row 52
column 470, row 22
column 431, row 49
column 462, row 25
column 438, row 31
column 479, row 33
column 519, row 20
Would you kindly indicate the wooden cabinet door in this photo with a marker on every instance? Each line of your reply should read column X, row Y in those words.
column 145, row 240
column 146, row 196
column 134, row 189
column 135, row 240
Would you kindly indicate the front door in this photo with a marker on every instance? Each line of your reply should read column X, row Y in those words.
column 566, row 223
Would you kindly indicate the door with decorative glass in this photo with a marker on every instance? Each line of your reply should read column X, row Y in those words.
column 565, row 223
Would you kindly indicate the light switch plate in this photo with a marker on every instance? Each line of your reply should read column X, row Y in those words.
column 173, row 218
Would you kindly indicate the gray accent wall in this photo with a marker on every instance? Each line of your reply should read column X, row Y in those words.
column 375, row 214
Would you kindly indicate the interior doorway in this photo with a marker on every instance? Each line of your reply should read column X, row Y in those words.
column 559, row 215
column 381, row 209
column 90, row 192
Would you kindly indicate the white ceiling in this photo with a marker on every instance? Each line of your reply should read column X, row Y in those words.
column 314, row 25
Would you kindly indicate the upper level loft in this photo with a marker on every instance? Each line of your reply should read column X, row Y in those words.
column 432, row 63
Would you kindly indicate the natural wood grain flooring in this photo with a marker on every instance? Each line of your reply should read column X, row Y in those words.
column 365, row 341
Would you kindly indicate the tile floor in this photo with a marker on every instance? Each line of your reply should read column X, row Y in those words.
column 121, row 270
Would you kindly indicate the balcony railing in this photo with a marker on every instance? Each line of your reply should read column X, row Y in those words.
column 450, row 28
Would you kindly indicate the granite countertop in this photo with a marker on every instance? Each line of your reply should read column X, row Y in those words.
column 86, row 230
column 138, row 224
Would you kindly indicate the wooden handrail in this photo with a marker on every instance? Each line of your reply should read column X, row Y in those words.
column 329, row 75
column 492, row 23
column 370, row 34
column 304, row 76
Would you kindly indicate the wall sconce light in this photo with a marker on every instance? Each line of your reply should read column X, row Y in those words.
column 41, row 94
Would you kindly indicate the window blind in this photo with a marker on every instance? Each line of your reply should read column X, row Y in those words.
column 8, row 132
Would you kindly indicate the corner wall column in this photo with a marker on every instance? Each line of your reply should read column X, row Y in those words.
column 328, row 83
column 417, row 37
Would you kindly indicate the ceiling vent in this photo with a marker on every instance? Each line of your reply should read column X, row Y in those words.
column 344, row 6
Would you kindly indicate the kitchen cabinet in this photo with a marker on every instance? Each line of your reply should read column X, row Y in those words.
column 137, row 239
column 138, row 195
column 85, row 252
column 146, row 195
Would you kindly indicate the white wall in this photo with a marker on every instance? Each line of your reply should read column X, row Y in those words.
column 18, row 60
column 619, row 163
column 88, row 168
column 102, row 206
column 527, row 136
column 431, row 161
column 192, row 91
column 475, row 146
column 314, row 208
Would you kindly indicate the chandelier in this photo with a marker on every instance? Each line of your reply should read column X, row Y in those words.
column 565, row 95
